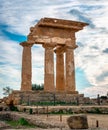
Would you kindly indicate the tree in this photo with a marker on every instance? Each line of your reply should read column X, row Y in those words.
column 104, row 97
column 7, row 90
column 37, row 86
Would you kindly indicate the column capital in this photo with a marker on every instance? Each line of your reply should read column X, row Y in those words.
column 26, row 44
column 71, row 47
column 59, row 49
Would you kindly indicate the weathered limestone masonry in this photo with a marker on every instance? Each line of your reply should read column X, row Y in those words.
column 31, row 97
column 60, row 79
column 55, row 35
column 26, row 67
column 49, row 68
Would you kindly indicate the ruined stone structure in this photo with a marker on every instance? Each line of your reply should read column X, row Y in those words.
column 56, row 36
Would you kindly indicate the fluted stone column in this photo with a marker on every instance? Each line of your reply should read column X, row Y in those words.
column 49, row 69
column 26, row 83
column 60, row 82
column 70, row 70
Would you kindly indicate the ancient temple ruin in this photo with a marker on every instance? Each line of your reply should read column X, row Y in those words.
column 56, row 36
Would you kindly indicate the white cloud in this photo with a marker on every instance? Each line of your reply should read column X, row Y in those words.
column 93, row 2
column 20, row 15
column 10, row 64
column 93, row 91
column 91, row 58
column 10, row 51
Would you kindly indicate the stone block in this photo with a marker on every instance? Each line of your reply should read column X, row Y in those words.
column 77, row 122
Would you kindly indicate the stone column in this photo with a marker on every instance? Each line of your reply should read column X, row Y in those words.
column 49, row 69
column 60, row 82
column 70, row 70
column 26, row 83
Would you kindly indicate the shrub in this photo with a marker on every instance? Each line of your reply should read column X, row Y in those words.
column 98, row 111
column 23, row 121
column 1, row 108
column 70, row 111
column 24, row 109
column 30, row 111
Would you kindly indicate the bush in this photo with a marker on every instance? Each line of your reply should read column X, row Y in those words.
column 98, row 111
column 95, row 111
column 37, row 86
column 30, row 111
column 24, row 109
column 23, row 121
column 13, row 108
column 70, row 111
column 1, row 108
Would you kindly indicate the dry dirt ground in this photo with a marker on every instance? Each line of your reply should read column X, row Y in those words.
column 92, row 118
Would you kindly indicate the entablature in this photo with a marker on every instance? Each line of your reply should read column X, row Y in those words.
column 55, row 31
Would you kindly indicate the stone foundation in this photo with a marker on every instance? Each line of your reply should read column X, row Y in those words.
column 21, row 97
column 64, row 109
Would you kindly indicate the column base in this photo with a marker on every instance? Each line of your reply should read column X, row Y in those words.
column 72, row 92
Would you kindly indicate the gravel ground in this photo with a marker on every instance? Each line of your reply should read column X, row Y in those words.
column 92, row 118
column 3, row 125
column 57, row 129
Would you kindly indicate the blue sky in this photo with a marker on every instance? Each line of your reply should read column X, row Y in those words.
column 91, row 57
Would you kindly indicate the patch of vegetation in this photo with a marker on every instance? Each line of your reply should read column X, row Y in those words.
column 1, row 108
column 7, row 90
column 104, row 97
column 95, row 111
column 62, row 112
column 12, row 123
column 70, row 111
column 98, row 111
column 21, row 122
column 52, row 103
column 30, row 111
column 37, row 86
column 24, row 109
column 12, row 107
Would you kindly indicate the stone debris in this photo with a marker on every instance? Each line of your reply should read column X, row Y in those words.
column 3, row 125
column 77, row 122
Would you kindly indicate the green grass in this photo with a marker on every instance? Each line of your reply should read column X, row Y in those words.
column 12, row 123
column 22, row 122
column 52, row 103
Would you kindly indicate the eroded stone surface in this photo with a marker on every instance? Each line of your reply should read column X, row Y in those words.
column 60, row 79
column 49, row 69
column 70, row 70
column 26, row 83
column 77, row 122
